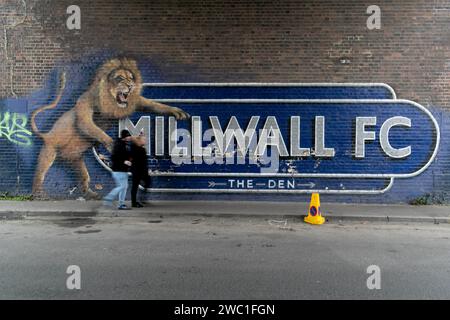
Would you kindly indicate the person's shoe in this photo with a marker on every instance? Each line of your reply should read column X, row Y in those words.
column 123, row 207
column 137, row 205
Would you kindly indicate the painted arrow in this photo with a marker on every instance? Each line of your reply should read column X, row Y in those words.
column 212, row 184
column 310, row 185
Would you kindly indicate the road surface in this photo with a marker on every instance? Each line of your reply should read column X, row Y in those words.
column 189, row 257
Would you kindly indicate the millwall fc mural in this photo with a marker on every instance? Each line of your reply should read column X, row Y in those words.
column 114, row 94
column 217, row 138
column 285, row 138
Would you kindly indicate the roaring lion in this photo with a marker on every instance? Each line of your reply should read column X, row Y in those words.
column 114, row 94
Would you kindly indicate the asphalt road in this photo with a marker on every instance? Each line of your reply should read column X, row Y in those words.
column 221, row 258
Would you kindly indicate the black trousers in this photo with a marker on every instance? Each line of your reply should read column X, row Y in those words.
column 135, row 186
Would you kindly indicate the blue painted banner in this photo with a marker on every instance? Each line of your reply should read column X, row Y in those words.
column 163, row 91
column 336, row 138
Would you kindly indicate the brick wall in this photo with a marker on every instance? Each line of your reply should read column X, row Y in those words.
column 226, row 41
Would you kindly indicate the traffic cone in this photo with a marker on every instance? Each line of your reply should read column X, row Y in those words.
column 314, row 215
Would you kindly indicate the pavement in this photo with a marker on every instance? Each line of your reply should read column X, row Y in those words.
column 269, row 210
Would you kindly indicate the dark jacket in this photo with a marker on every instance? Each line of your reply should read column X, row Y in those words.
column 139, row 167
column 120, row 154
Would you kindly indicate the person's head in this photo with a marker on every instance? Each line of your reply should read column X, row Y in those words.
column 125, row 135
column 140, row 140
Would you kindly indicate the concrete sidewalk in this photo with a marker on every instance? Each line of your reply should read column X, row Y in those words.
column 269, row 210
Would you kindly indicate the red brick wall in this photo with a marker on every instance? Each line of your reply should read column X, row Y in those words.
column 247, row 41
column 302, row 41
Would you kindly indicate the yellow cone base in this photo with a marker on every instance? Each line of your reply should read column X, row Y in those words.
column 315, row 220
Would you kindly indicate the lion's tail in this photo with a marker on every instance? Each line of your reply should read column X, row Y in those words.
column 62, row 85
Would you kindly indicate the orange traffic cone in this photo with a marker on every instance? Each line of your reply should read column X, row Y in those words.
column 314, row 215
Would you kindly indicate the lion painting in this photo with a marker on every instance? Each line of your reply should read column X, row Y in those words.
column 114, row 94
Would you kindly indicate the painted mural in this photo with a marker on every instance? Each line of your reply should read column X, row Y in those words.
column 286, row 138
column 276, row 141
column 114, row 94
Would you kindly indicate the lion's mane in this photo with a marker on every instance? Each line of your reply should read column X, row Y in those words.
column 99, row 88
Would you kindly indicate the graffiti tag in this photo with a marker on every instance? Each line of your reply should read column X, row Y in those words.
column 13, row 127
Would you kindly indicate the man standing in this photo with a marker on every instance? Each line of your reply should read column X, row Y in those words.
column 139, row 168
column 121, row 163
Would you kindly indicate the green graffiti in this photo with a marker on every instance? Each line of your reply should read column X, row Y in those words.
column 13, row 127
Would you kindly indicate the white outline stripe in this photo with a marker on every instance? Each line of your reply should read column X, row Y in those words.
column 287, row 101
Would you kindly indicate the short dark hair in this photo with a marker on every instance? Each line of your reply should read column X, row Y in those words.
column 124, row 133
